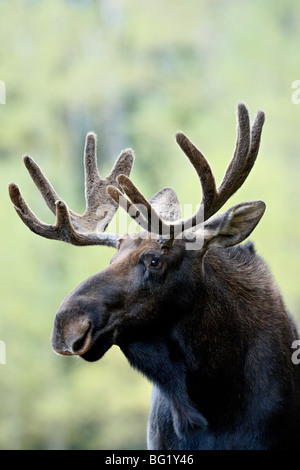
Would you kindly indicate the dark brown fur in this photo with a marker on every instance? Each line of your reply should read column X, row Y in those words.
column 211, row 332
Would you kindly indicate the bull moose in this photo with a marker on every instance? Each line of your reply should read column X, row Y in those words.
column 191, row 308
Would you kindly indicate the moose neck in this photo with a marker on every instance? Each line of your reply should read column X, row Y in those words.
column 198, row 360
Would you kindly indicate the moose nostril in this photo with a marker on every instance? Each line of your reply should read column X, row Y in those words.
column 79, row 343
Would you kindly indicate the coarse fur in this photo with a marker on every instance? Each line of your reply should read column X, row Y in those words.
column 238, row 371
column 209, row 330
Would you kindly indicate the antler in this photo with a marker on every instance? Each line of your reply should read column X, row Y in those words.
column 245, row 153
column 85, row 229
column 246, row 150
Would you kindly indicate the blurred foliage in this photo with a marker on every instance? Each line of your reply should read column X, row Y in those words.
column 135, row 72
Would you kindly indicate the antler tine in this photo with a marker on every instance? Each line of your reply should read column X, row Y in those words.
column 91, row 173
column 85, row 229
column 245, row 153
column 203, row 169
column 139, row 208
column 129, row 207
column 233, row 176
column 42, row 183
column 22, row 208
column 255, row 138
column 29, row 218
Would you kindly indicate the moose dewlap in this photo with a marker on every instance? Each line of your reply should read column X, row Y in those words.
column 205, row 323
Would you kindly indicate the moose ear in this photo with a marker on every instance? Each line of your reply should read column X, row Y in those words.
column 166, row 205
column 233, row 226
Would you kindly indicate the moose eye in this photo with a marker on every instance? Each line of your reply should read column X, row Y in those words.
column 155, row 262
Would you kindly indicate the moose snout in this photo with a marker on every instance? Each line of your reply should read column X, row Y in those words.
column 80, row 318
column 72, row 337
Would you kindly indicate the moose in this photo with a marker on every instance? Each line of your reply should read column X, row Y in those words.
column 194, row 310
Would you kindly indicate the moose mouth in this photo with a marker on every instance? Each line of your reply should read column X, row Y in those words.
column 80, row 338
column 99, row 346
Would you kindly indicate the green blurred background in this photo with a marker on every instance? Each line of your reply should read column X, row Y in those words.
column 135, row 72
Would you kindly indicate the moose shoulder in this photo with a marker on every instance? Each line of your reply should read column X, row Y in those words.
column 196, row 312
